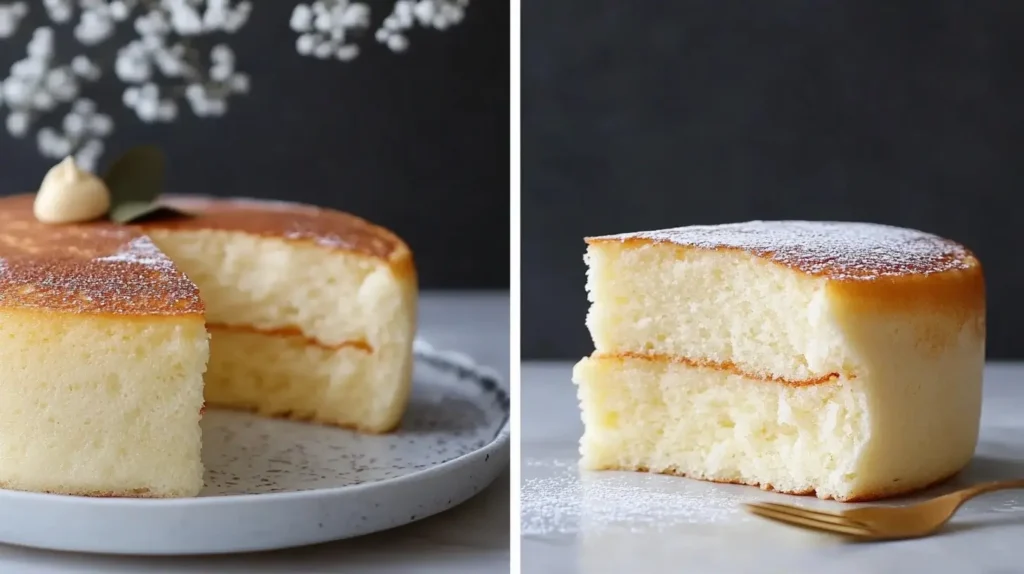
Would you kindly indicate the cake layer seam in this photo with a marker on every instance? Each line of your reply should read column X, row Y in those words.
column 727, row 366
column 294, row 332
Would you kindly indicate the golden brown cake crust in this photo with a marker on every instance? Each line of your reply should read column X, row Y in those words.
column 727, row 366
column 102, row 267
column 292, row 221
column 295, row 332
column 92, row 268
column 132, row 493
column 896, row 490
column 840, row 251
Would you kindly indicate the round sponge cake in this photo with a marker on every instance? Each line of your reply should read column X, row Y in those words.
column 114, row 335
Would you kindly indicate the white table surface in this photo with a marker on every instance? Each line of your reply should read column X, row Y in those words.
column 592, row 522
column 473, row 537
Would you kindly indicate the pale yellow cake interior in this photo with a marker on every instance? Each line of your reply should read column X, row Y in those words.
column 738, row 307
column 299, row 330
column 285, row 376
column 101, row 405
column 721, row 365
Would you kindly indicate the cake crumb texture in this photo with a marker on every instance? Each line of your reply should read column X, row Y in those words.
column 99, row 406
column 845, row 440
column 300, row 328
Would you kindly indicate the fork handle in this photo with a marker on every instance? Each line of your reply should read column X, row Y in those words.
column 986, row 487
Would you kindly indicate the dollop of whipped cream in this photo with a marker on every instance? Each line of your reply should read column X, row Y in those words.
column 69, row 194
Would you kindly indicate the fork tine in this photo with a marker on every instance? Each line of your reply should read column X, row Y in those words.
column 817, row 514
column 809, row 522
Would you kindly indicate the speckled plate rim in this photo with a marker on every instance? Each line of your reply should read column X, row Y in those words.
column 457, row 363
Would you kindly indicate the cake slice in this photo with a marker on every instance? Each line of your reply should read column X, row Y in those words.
column 101, row 365
column 838, row 359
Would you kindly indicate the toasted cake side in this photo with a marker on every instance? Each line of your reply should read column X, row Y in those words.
column 865, row 341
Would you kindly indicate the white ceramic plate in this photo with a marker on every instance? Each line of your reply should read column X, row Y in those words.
column 275, row 484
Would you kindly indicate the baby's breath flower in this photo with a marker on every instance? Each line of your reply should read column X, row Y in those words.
column 437, row 14
column 11, row 14
column 161, row 68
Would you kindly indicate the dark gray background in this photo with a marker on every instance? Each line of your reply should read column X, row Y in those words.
column 673, row 113
column 418, row 142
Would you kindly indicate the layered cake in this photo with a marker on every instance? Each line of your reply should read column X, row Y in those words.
column 113, row 335
column 837, row 359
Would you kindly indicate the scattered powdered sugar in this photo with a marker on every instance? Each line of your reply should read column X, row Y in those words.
column 201, row 201
column 140, row 251
column 1012, row 505
column 253, row 203
column 329, row 240
column 556, row 498
column 839, row 249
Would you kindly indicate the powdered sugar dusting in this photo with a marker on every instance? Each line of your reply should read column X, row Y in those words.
column 559, row 499
column 841, row 250
column 140, row 251
column 328, row 240
column 98, row 267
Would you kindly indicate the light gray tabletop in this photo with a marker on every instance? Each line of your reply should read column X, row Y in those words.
column 473, row 537
column 632, row 522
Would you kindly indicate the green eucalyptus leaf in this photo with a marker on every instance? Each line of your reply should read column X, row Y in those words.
column 143, row 211
column 136, row 176
column 131, row 210
column 135, row 181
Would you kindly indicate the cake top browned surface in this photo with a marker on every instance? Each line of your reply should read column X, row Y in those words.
column 324, row 227
column 97, row 267
column 102, row 267
column 838, row 250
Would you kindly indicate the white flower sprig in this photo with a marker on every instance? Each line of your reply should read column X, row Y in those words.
column 37, row 86
column 160, row 67
column 11, row 14
column 437, row 14
column 83, row 130
column 327, row 27
column 163, row 49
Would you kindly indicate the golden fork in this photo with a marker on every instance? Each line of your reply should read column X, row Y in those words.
column 881, row 522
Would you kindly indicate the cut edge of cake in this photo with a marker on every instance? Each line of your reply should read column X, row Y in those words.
column 95, row 405
column 343, row 322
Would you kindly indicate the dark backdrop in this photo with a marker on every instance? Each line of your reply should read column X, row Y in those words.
column 659, row 114
column 418, row 142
